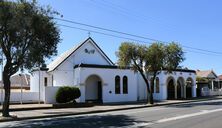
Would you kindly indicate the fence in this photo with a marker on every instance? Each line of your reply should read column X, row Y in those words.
column 18, row 97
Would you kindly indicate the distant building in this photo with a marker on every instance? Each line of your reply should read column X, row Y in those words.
column 220, row 81
column 207, row 78
column 20, row 79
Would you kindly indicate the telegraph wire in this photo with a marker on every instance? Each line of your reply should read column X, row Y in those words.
column 124, row 33
column 131, row 39
column 132, row 35
column 106, row 34
column 105, row 29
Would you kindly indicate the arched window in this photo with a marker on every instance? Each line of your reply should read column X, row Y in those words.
column 125, row 85
column 117, row 85
column 157, row 85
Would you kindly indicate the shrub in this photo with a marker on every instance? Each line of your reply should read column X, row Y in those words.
column 66, row 94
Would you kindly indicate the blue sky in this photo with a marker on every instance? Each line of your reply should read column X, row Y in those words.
column 193, row 23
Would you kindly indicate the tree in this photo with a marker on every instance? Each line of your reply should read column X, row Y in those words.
column 155, row 57
column 201, row 80
column 150, row 60
column 28, row 36
column 134, row 55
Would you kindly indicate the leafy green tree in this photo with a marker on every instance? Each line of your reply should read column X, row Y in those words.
column 150, row 60
column 28, row 36
column 135, row 56
column 174, row 55
column 201, row 80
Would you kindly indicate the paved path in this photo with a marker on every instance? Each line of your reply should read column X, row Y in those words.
column 204, row 114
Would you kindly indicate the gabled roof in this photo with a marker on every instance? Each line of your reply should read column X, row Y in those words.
column 58, row 61
column 18, row 80
column 206, row 73
column 220, row 77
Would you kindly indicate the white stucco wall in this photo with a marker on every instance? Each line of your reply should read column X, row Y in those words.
column 142, row 89
column 108, row 83
column 50, row 94
column 35, row 84
column 163, row 76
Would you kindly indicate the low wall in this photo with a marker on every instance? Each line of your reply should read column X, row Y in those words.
column 211, row 93
column 50, row 93
column 215, row 93
column 25, row 97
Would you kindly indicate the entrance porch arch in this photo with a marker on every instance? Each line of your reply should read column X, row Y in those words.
column 189, row 86
column 93, row 88
column 180, row 87
column 170, row 88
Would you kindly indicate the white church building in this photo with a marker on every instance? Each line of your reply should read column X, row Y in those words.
column 86, row 66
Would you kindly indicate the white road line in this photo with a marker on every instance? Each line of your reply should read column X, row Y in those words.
column 202, row 112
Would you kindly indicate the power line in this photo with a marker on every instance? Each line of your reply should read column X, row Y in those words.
column 125, row 10
column 132, row 35
column 132, row 39
column 128, row 12
column 105, row 29
column 199, row 52
column 102, row 33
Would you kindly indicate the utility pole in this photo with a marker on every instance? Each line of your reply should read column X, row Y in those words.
column 2, row 84
column 21, row 87
column 39, row 86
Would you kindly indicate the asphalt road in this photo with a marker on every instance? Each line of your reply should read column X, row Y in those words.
column 206, row 114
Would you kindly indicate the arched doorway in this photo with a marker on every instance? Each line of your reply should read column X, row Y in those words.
column 189, row 84
column 93, row 89
column 180, row 88
column 170, row 89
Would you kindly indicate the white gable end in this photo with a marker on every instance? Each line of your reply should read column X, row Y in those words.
column 89, row 54
column 212, row 75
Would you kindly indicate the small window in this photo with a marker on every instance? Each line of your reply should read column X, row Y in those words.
column 45, row 81
column 125, row 85
column 117, row 85
column 157, row 85
column 52, row 81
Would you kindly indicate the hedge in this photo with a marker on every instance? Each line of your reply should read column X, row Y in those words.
column 67, row 94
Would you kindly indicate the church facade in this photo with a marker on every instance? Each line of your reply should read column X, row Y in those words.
column 99, row 79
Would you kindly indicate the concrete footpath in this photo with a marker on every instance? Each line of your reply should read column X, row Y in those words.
column 35, row 111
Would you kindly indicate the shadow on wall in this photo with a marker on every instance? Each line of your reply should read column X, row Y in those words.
column 102, row 121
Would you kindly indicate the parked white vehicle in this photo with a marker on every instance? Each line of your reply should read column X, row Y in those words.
column 205, row 91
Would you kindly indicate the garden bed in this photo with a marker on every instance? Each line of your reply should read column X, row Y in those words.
column 72, row 105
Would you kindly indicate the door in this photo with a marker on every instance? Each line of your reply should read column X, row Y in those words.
column 100, row 91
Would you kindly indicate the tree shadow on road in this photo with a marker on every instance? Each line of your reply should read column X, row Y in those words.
column 187, row 105
column 97, row 121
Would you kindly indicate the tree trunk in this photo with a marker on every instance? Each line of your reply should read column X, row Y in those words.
column 149, row 92
column 7, row 84
column 152, row 87
column 151, row 98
